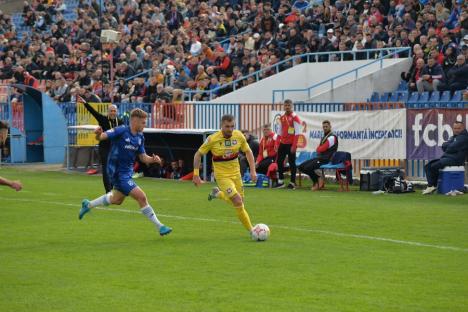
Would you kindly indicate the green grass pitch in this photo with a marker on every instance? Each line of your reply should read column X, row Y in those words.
column 328, row 251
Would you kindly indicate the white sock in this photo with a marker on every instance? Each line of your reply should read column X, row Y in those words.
column 104, row 200
column 151, row 215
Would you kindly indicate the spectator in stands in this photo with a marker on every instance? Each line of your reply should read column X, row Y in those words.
column 267, row 151
column 457, row 76
column 416, row 74
column 289, row 130
column 455, row 152
column 325, row 151
column 431, row 76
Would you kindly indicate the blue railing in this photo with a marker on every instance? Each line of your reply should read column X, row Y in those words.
column 297, row 59
column 392, row 52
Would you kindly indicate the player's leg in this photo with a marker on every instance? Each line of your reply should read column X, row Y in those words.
column 219, row 191
column 137, row 194
column 238, row 202
column 112, row 198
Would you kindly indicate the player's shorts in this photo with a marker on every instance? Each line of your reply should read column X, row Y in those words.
column 231, row 186
column 123, row 184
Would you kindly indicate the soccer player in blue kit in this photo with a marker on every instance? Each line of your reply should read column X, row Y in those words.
column 127, row 143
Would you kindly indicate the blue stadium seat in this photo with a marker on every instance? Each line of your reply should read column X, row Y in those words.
column 403, row 86
column 435, row 96
column 394, row 96
column 404, row 96
column 414, row 97
column 445, row 97
column 424, row 97
column 457, row 96
column 384, row 97
column 374, row 97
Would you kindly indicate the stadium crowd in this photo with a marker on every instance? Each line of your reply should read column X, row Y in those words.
column 202, row 45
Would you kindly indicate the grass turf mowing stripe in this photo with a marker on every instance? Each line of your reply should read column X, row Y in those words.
column 348, row 235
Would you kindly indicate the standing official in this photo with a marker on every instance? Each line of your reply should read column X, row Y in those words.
column 106, row 123
column 288, row 135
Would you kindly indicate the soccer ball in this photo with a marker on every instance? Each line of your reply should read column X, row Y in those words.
column 260, row 232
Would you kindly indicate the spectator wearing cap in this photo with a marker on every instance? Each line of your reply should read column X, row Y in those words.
column 331, row 35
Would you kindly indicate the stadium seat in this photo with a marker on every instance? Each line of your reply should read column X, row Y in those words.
column 394, row 96
column 424, row 97
column 414, row 97
column 435, row 96
column 403, row 96
column 457, row 96
column 374, row 97
column 384, row 97
column 403, row 86
column 445, row 97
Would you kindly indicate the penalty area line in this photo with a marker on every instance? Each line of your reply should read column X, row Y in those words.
column 284, row 227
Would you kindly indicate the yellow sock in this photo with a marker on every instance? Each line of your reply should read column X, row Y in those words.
column 244, row 217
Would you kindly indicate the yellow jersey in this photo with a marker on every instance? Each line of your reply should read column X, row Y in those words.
column 225, row 152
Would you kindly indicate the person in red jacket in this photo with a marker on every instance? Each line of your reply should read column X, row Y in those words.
column 288, row 135
column 325, row 151
column 267, row 150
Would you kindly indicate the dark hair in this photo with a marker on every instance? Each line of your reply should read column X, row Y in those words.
column 326, row 122
column 459, row 122
column 288, row 101
column 266, row 126
column 227, row 117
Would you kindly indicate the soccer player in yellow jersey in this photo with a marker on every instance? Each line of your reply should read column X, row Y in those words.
column 224, row 146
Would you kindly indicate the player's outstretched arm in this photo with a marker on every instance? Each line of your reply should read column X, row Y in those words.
column 196, row 171
column 251, row 161
column 16, row 185
column 148, row 160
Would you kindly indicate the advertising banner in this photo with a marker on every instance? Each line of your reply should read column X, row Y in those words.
column 379, row 134
column 428, row 129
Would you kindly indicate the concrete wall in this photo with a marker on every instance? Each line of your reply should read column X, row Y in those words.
column 300, row 77
column 351, row 90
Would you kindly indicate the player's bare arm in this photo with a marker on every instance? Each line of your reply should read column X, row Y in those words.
column 251, row 161
column 196, row 165
column 16, row 185
column 100, row 135
column 148, row 160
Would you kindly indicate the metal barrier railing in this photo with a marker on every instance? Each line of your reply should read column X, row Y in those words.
column 333, row 80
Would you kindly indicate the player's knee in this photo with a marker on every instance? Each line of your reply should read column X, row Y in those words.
column 117, row 201
column 237, row 200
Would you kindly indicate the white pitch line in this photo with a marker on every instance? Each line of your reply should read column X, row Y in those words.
column 349, row 235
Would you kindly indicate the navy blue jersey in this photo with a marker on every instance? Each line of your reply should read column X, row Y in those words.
column 125, row 147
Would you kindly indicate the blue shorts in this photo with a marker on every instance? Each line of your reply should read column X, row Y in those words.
column 123, row 184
